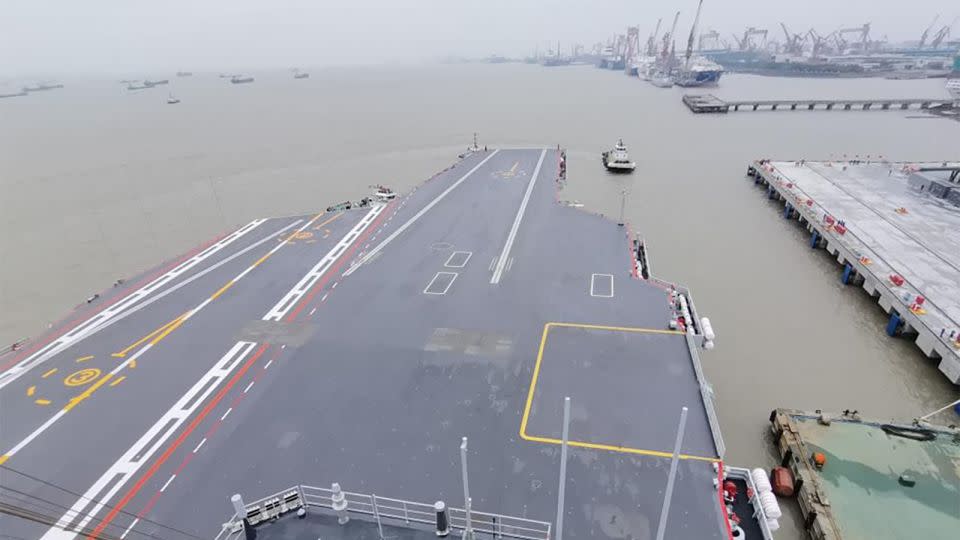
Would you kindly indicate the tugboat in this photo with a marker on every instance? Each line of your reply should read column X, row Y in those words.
column 240, row 79
column 172, row 100
column 383, row 193
column 617, row 160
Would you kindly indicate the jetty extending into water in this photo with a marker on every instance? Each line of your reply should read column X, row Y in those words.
column 893, row 227
column 708, row 103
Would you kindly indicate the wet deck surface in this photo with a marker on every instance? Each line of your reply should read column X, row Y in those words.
column 279, row 359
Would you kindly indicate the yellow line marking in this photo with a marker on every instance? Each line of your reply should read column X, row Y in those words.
column 88, row 392
column 49, row 373
column 513, row 170
column 147, row 337
column 30, row 391
column 81, row 377
column 223, row 289
column 42, row 401
column 594, row 446
column 176, row 324
column 119, row 380
column 4, row 458
column 84, row 358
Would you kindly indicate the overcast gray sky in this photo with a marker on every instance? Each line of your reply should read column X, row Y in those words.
column 120, row 36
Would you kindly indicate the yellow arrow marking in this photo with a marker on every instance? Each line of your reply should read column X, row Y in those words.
column 119, row 380
column 84, row 358
column 49, row 373
column 30, row 391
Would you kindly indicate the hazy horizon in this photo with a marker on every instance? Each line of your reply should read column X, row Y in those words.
column 117, row 37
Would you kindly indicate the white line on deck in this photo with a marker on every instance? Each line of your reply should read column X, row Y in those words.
column 417, row 216
column 334, row 286
column 119, row 310
column 164, row 488
column 324, row 299
column 493, row 262
column 509, row 264
column 199, row 446
column 249, row 386
column 312, row 311
column 267, row 365
column 444, row 275
column 604, row 278
column 458, row 254
column 130, row 528
column 226, row 414
column 505, row 254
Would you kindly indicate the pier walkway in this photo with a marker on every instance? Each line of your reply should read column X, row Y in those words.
column 708, row 103
column 899, row 242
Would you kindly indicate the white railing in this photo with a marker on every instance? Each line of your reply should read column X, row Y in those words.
column 396, row 512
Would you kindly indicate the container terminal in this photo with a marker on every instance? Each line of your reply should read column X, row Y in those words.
column 892, row 227
column 860, row 478
column 444, row 349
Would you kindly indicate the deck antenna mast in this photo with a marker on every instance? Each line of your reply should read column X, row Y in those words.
column 693, row 31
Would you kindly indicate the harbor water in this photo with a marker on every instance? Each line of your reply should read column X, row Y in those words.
column 99, row 183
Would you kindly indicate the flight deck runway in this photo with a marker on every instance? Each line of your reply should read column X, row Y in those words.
column 358, row 347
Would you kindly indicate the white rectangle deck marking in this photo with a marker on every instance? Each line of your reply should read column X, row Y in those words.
column 126, row 467
column 505, row 254
column 458, row 259
column 601, row 285
column 96, row 321
column 366, row 258
column 311, row 277
column 440, row 283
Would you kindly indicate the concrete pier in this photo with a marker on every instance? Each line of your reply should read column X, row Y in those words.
column 894, row 229
column 708, row 103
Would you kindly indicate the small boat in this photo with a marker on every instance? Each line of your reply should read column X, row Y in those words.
column 661, row 79
column 150, row 84
column 618, row 160
column 383, row 193
column 184, row 74
column 172, row 100
column 239, row 79
column 301, row 75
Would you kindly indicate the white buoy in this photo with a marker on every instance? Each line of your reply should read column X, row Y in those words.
column 770, row 505
column 760, row 480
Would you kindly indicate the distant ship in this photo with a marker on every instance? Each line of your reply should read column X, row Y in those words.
column 184, row 74
column 150, row 84
column 239, row 79
column 41, row 86
column 699, row 71
column 301, row 75
column 661, row 79
column 18, row 94
column 171, row 100
column 953, row 86
column 618, row 160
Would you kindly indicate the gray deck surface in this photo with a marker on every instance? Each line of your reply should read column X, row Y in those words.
column 368, row 381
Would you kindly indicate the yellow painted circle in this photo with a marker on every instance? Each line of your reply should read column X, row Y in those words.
column 303, row 235
column 79, row 378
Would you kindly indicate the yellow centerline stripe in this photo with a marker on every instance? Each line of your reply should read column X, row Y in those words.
column 119, row 380
column 84, row 358
column 49, row 373
column 616, row 328
column 147, row 337
column 88, row 392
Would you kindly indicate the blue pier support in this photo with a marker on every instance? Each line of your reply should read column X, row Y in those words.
column 787, row 211
column 893, row 325
column 815, row 239
column 770, row 191
column 847, row 274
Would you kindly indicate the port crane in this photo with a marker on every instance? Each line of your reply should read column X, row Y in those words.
column 745, row 43
column 652, row 40
column 712, row 37
column 820, row 43
column 864, row 40
column 632, row 46
column 926, row 33
column 669, row 35
column 941, row 35
column 794, row 42
column 693, row 32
